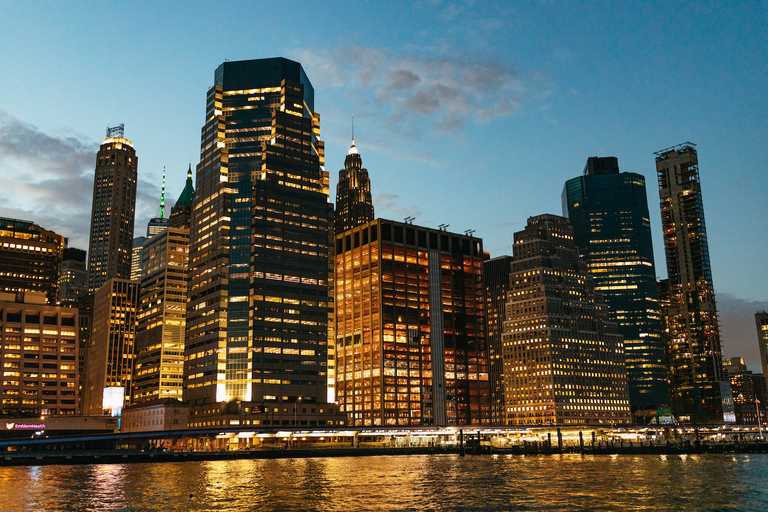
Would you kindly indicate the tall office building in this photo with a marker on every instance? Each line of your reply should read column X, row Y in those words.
column 113, row 211
column 136, row 256
column 761, row 323
column 563, row 357
column 689, row 311
column 30, row 258
column 354, row 206
column 73, row 282
column 496, row 273
column 258, row 292
column 111, row 351
column 410, row 320
column 38, row 353
column 612, row 229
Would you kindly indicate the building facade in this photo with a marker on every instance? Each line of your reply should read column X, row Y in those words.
column 761, row 323
column 38, row 353
column 496, row 272
column 612, row 229
column 30, row 258
column 258, row 291
column 111, row 351
column 113, row 211
column 689, row 310
column 73, row 281
column 354, row 205
column 410, row 320
column 563, row 357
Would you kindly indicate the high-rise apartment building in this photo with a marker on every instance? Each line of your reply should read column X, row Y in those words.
column 761, row 323
column 30, row 258
column 563, row 357
column 612, row 229
column 410, row 321
column 689, row 311
column 73, row 281
column 113, row 211
column 354, row 206
column 496, row 273
column 111, row 351
column 38, row 353
column 258, row 292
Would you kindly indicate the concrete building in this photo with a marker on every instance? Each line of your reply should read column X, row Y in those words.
column 38, row 353
column 30, row 258
column 111, row 351
column 410, row 327
column 689, row 310
column 563, row 357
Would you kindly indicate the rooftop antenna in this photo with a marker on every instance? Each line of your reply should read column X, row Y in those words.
column 470, row 232
column 162, row 197
column 409, row 220
column 443, row 226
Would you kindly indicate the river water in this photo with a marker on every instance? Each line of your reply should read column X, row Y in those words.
column 428, row 482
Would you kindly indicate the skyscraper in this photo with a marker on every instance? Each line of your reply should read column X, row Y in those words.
column 113, row 211
column 73, row 282
column 354, row 206
column 761, row 322
column 30, row 258
column 258, row 292
column 496, row 274
column 612, row 228
column 689, row 311
column 410, row 321
column 563, row 357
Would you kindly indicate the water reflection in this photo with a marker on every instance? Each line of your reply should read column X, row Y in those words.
column 438, row 482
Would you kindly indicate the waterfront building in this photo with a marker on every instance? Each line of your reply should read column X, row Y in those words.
column 496, row 272
column 113, row 211
column 157, row 415
column 689, row 311
column 258, row 292
column 749, row 394
column 761, row 323
column 608, row 210
column 38, row 353
column 30, row 258
column 354, row 205
column 563, row 356
column 410, row 319
column 73, row 281
column 111, row 351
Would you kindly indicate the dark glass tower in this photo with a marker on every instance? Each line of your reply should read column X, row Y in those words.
column 496, row 274
column 609, row 214
column 113, row 211
column 354, row 206
column 689, row 311
column 258, row 292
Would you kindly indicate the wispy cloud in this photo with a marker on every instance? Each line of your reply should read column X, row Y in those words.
column 387, row 207
column 414, row 91
column 48, row 179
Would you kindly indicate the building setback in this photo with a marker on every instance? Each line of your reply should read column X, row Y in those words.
column 113, row 211
column 496, row 273
column 410, row 318
column 612, row 229
column 689, row 311
column 111, row 352
column 563, row 357
column 258, row 292
column 30, row 258
column 38, row 353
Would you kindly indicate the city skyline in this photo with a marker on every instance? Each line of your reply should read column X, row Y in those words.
column 520, row 110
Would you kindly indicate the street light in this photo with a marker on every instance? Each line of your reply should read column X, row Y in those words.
column 295, row 411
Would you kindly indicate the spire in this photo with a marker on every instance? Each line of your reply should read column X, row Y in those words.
column 352, row 148
column 162, row 197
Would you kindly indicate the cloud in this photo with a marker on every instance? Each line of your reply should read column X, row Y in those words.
column 386, row 207
column 412, row 91
column 48, row 179
column 738, row 334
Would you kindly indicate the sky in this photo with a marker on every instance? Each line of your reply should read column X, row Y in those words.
column 471, row 114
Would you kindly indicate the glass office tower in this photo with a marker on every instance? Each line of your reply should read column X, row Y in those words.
column 609, row 214
column 258, row 293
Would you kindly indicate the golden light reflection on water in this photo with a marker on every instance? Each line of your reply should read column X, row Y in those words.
column 438, row 482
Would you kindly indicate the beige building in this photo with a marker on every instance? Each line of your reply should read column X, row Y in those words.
column 38, row 354
column 155, row 415
column 563, row 360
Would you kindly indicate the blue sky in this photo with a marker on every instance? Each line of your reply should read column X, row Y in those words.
column 472, row 114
